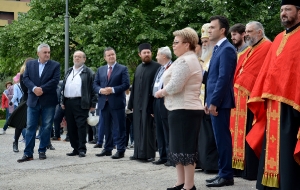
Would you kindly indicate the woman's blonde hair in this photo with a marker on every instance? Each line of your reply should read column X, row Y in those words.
column 188, row 35
column 24, row 65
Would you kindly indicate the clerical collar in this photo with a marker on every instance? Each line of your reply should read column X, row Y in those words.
column 288, row 30
column 257, row 42
column 146, row 63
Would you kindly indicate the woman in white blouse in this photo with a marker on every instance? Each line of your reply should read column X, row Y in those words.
column 182, row 82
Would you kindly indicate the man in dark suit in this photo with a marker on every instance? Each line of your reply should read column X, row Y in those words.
column 163, row 57
column 78, row 98
column 220, row 97
column 41, row 78
column 111, row 82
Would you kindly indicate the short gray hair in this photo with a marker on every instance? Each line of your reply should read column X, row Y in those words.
column 165, row 51
column 42, row 46
column 84, row 56
column 258, row 26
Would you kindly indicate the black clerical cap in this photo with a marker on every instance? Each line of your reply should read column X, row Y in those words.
column 290, row 2
column 144, row 46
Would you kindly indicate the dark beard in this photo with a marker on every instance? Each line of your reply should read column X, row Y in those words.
column 289, row 23
column 147, row 59
column 238, row 44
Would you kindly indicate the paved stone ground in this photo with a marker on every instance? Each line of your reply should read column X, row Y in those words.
column 61, row 172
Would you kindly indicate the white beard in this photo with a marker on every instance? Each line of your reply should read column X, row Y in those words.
column 206, row 53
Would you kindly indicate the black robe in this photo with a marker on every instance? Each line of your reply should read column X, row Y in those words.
column 140, row 100
column 289, row 170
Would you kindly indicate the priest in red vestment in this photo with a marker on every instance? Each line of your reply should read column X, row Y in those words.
column 275, row 102
column 244, row 160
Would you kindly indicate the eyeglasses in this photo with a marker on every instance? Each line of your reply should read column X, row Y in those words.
column 177, row 42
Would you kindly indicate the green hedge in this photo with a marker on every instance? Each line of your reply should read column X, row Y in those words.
column 2, row 114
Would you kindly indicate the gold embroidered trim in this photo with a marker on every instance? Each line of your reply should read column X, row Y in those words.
column 281, row 99
column 284, row 40
column 247, row 92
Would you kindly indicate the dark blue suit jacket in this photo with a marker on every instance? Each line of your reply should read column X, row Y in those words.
column 220, row 77
column 119, row 80
column 48, row 82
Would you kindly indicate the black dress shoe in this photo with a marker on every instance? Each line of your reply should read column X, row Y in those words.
column 42, row 155
column 81, row 154
column 132, row 158
column 220, row 182
column 92, row 142
column 25, row 158
column 168, row 163
column 118, row 155
column 193, row 188
column 150, row 159
column 159, row 162
column 212, row 179
column 104, row 153
column 98, row 146
column 176, row 187
column 72, row 154
column 15, row 147
column 50, row 147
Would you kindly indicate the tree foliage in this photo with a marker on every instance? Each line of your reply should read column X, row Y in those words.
column 121, row 24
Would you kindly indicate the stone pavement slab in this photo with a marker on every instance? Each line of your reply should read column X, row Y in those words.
column 61, row 172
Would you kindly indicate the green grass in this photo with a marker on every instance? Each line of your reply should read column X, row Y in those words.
column 2, row 122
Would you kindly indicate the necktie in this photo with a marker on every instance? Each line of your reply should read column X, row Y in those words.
column 109, row 72
column 215, row 49
column 162, row 69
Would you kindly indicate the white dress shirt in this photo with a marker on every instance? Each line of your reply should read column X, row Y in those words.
column 73, row 83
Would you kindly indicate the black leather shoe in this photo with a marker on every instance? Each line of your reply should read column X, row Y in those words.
column 193, row 188
column 212, row 179
column 150, row 159
column 98, row 146
column 42, row 155
column 81, row 154
column 25, row 158
column 168, row 163
column 159, row 162
column 15, row 147
column 104, row 153
column 220, row 182
column 92, row 142
column 118, row 155
column 50, row 147
column 72, row 154
column 176, row 187
column 132, row 158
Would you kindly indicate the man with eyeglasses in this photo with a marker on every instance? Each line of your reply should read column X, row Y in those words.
column 78, row 98
column 275, row 102
column 244, row 161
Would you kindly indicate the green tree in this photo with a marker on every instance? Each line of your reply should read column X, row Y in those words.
column 121, row 24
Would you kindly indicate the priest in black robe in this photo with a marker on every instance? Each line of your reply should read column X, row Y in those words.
column 139, row 101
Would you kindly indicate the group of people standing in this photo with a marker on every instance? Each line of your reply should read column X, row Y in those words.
column 228, row 108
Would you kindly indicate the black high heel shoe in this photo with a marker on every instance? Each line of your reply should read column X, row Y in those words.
column 193, row 188
column 176, row 187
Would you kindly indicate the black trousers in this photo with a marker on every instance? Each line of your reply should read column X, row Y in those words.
column 162, row 130
column 76, row 124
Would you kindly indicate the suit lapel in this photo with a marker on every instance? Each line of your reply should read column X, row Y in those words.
column 104, row 73
column 113, row 73
column 45, row 69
